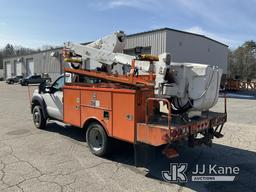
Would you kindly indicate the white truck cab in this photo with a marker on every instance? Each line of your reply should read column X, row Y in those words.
column 54, row 99
column 47, row 101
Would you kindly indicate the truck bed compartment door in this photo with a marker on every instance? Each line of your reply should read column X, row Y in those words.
column 124, row 116
column 72, row 107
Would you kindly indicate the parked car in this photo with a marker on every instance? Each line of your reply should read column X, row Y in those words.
column 34, row 79
column 15, row 79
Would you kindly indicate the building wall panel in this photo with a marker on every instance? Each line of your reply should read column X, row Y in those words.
column 195, row 49
column 43, row 63
column 155, row 40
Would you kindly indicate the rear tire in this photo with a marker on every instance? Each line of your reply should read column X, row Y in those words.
column 97, row 139
column 38, row 117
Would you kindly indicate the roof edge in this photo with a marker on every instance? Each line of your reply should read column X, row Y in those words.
column 176, row 30
column 131, row 35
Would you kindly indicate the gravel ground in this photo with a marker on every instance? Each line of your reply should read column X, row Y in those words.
column 58, row 159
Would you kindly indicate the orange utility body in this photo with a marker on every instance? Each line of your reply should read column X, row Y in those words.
column 117, row 110
column 125, row 108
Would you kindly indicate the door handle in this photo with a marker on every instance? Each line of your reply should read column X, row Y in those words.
column 77, row 107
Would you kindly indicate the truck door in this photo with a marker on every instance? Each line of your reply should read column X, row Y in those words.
column 54, row 99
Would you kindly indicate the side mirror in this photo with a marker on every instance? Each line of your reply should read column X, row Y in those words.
column 45, row 87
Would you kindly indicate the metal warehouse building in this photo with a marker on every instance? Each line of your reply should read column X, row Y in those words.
column 183, row 47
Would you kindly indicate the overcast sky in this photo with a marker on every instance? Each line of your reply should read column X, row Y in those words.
column 34, row 23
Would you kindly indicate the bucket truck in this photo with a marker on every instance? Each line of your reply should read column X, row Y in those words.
column 139, row 99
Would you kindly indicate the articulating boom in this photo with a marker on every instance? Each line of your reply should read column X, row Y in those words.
column 189, row 86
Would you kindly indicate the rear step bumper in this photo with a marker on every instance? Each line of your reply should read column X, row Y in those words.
column 157, row 135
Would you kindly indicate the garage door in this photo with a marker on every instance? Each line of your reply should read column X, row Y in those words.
column 18, row 68
column 30, row 67
column 8, row 70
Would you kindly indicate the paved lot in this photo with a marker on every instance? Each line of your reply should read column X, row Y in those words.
column 58, row 159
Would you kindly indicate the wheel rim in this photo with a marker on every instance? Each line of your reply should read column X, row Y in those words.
column 95, row 140
column 37, row 117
